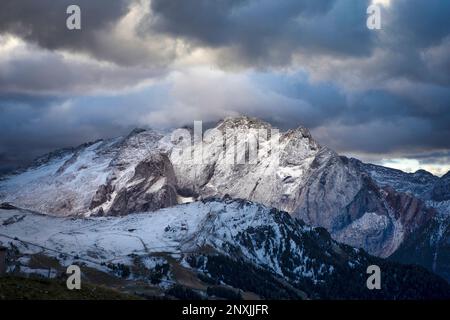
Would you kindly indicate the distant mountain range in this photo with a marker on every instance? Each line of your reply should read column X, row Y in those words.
column 404, row 217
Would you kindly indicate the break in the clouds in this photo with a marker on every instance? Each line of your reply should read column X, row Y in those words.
column 381, row 95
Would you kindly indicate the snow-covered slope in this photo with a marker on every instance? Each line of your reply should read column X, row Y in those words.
column 199, row 235
column 113, row 177
column 419, row 183
column 177, row 230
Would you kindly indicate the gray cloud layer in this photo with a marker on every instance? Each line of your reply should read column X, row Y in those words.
column 44, row 21
column 377, row 92
column 266, row 32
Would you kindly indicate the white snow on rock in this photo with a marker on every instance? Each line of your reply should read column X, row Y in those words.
column 62, row 186
column 66, row 185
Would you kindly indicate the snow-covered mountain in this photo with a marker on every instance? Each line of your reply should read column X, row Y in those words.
column 365, row 206
column 419, row 183
column 235, row 244
column 422, row 184
column 112, row 177
column 309, row 181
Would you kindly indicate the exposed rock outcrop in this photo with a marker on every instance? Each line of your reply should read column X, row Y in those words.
column 152, row 187
column 441, row 189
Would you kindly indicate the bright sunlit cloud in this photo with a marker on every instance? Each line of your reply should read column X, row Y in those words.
column 412, row 165
column 385, row 3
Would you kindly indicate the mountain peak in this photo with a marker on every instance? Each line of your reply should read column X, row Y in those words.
column 300, row 132
column 243, row 122
column 140, row 135
column 423, row 172
column 136, row 131
column 446, row 176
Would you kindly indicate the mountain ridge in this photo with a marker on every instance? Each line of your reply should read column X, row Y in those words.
column 363, row 205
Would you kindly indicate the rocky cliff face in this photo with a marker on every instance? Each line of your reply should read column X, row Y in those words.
column 389, row 218
column 152, row 187
column 428, row 245
column 272, row 179
column 307, row 180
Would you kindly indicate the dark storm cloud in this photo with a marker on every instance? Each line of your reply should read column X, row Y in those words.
column 419, row 23
column 44, row 22
column 403, row 135
column 10, row 100
column 437, row 154
column 267, row 32
column 386, row 122
column 416, row 40
column 17, row 145
column 35, row 125
column 32, row 125
column 31, row 70
column 412, row 118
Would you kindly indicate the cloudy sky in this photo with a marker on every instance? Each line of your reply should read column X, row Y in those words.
column 380, row 95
